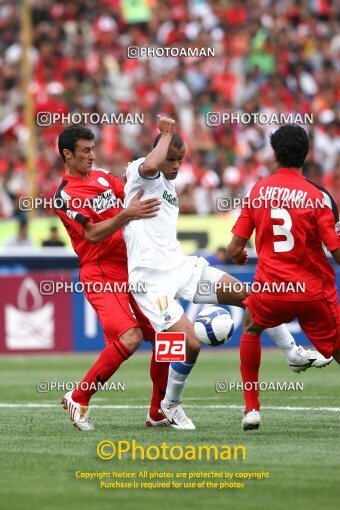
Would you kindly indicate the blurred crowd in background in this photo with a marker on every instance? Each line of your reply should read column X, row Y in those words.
column 270, row 56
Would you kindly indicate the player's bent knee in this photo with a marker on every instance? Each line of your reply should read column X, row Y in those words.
column 249, row 326
column 193, row 346
column 252, row 330
column 132, row 338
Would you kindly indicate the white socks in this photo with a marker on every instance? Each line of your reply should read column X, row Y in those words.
column 285, row 341
column 176, row 382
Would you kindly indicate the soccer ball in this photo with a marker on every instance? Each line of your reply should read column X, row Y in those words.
column 214, row 326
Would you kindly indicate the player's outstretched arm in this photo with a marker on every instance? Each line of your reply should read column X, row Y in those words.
column 336, row 255
column 236, row 250
column 138, row 209
column 158, row 154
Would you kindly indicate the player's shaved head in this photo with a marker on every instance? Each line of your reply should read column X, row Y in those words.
column 70, row 136
column 176, row 141
column 290, row 144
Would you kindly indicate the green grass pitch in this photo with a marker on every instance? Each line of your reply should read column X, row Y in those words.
column 40, row 451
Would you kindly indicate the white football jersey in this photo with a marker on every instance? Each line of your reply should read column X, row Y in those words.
column 152, row 242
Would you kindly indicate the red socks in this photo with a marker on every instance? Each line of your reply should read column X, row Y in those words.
column 106, row 365
column 159, row 376
column 250, row 356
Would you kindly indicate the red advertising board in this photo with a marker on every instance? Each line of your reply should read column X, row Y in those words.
column 31, row 319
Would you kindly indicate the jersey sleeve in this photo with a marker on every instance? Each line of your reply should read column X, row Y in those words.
column 245, row 224
column 132, row 171
column 327, row 227
column 134, row 181
column 117, row 186
column 71, row 216
column 70, row 223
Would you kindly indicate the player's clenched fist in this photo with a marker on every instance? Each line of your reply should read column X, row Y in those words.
column 166, row 125
column 139, row 209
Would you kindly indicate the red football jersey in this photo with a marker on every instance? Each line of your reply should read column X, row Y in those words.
column 292, row 218
column 95, row 199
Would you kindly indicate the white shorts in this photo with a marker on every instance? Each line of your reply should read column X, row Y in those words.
column 187, row 281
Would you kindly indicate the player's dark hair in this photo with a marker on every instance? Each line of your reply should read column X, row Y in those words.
column 70, row 136
column 290, row 144
column 176, row 141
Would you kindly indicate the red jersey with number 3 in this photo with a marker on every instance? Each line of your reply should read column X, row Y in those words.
column 292, row 218
column 95, row 199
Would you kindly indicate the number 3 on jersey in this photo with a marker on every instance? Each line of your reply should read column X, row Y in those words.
column 282, row 230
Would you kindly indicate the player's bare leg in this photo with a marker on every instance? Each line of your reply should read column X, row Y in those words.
column 110, row 359
column 178, row 375
column 229, row 291
column 250, row 357
column 132, row 339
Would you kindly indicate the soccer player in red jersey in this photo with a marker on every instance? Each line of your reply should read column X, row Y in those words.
column 89, row 203
column 292, row 218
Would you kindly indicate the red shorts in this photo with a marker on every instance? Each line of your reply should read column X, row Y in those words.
column 319, row 320
column 118, row 313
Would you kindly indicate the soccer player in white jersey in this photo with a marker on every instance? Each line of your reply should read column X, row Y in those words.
column 155, row 256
